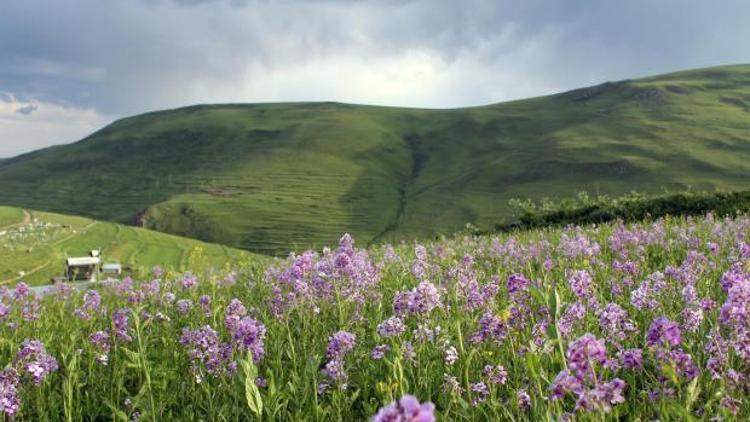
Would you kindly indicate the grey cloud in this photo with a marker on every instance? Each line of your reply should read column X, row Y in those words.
column 127, row 56
column 27, row 109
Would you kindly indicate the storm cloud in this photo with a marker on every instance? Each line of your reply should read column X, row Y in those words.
column 104, row 60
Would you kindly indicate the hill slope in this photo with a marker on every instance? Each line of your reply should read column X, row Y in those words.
column 274, row 177
column 37, row 243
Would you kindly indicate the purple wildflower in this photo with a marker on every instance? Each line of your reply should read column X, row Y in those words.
column 205, row 348
column 35, row 360
column 189, row 281
column 664, row 332
column 205, row 302
column 184, row 305
column 583, row 352
column 451, row 385
column 419, row 301
column 482, row 392
column 121, row 322
column 21, row 292
column 249, row 334
column 574, row 314
column 379, row 351
column 407, row 409
column 234, row 312
column 9, row 400
column 581, row 283
column 523, row 399
column 491, row 328
column 517, row 283
column 450, row 356
column 391, row 327
column 91, row 303
column 631, row 358
column 495, row 374
column 100, row 340
column 614, row 321
column 340, row 344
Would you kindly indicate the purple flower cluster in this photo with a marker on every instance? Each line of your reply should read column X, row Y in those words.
column 10, row 403
column 121, row 323
column 189, row 281
column 614, row 321
column 34, row 360
column 100, row 340
column 578, row 246
column 205, row 302
column 249, row 335
column 339, row 344
column 379, row 351
column 735, row 312
column 233, row 313
column 664, row 332
column 592, row 393
column 581, row 283
column 495, row 374
column 205, row 348
column 407, row 409
column 345, row 275
column 491, row 328
column 391, row 327
column 421, row 300
column 184, row 306
column 92, row 301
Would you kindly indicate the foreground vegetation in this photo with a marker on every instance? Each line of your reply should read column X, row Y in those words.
column 280, row 177
column 639, row 321
column 35, row 250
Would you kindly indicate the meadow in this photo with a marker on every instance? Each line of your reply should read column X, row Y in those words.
column 637, row 321
column 271, row 178
column 35, row 250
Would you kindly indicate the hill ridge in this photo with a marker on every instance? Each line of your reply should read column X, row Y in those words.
column 274, row 177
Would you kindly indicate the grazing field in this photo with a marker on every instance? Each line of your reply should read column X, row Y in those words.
column 279, row 177
column 10, row 216
column 35, row 250
column 646, row 321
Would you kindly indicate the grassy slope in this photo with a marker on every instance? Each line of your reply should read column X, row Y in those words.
column 274, row 177
column 40, row 247
column 10, row 216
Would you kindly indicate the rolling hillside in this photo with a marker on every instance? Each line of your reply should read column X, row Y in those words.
column 275, row 177
column 34, row 245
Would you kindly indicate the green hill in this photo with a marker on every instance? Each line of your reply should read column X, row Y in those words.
column 274, row 177
column 34, row 245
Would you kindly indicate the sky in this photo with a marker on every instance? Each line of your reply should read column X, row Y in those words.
column 69, row 67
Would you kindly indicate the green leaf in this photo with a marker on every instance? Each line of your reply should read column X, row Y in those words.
column 693, row 391
column 119, row 414
column 252, row 393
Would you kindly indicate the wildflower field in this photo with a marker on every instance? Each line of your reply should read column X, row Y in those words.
column 639, row 321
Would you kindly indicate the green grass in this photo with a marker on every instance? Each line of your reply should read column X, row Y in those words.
column 275, row 177
column 10, row 216
column 524, row 301
column 40, row 247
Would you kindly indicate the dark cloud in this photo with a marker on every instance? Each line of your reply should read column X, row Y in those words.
column 27, row 109
column 122, row 57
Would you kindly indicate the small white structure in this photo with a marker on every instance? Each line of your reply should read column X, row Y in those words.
column 111, row 269
column 82, row 268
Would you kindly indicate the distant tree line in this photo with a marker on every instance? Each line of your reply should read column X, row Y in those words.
column 585, row 209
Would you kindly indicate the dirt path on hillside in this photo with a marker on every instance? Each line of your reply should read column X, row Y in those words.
column 31, row 271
